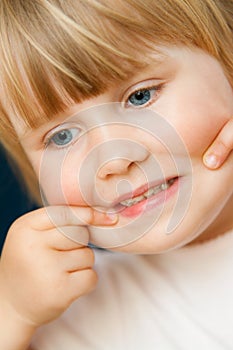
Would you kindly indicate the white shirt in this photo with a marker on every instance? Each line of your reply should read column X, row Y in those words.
column 178, row 300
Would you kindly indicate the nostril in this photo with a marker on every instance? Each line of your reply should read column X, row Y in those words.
column 114, row 167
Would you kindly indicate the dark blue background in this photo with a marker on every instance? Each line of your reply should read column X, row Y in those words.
column 13, row 199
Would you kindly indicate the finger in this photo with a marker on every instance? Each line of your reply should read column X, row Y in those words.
column 76, row 260
column 81, row 282
column 220, row 149
column 67, row 237
column 58, row 216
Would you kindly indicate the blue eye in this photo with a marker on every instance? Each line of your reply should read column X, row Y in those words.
column 64, row 137
column 140, row 97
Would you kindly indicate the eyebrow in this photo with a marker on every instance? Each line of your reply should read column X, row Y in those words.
column 42, row 119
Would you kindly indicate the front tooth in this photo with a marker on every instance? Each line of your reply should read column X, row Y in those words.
column 157, row 189
column 132, row 201
column 149, row 193
column 164, row 186
column 140, row 198
column 127, row 202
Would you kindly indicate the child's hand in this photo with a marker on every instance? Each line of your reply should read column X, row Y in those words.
column 41, row 271
column 219, row 150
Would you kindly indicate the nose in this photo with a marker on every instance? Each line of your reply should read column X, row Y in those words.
column 116, row 157
column 117, row 166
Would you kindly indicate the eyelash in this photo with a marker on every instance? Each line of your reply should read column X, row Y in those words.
column 157, row 88
column 49, row 138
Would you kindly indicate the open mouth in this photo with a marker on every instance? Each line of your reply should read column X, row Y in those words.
column 148, row 193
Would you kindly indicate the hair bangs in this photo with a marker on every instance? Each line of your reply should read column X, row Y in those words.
column 54, row 66
column 58, row 53
column 55, row 53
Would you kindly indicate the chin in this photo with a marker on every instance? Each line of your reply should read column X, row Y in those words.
column 158, row 242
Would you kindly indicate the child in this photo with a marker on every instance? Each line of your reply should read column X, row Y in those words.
column 103, row 101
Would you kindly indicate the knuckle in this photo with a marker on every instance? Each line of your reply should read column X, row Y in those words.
column 85, row 282
column 90, row 256
column 92, row 278
column 94, row 216
column 223, row 144
column 64, row 216
column 20, row 232
column 89, row 217
column 19, row 223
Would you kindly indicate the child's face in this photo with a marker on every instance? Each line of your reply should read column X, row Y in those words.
column 103, row 154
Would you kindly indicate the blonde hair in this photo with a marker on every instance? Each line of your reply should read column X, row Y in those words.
column 57, row 52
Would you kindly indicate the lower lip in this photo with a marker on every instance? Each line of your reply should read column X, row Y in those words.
column 150, row 203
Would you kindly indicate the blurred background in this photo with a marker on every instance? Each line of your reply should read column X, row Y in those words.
column 14, row 201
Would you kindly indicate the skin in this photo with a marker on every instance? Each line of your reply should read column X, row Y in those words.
column 43, row 260
column 220, row 149
column 199, row 111
column 197, row 103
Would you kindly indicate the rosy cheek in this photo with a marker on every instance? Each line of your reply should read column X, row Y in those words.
column 62, row 192
column 58, row 180
column 198, row 136
column 71, row 192
column 199, row 123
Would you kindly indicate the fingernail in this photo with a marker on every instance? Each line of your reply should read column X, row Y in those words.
column 111, row 216
column 211, row 160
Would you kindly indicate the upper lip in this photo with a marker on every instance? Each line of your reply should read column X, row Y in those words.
column 140, row 190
